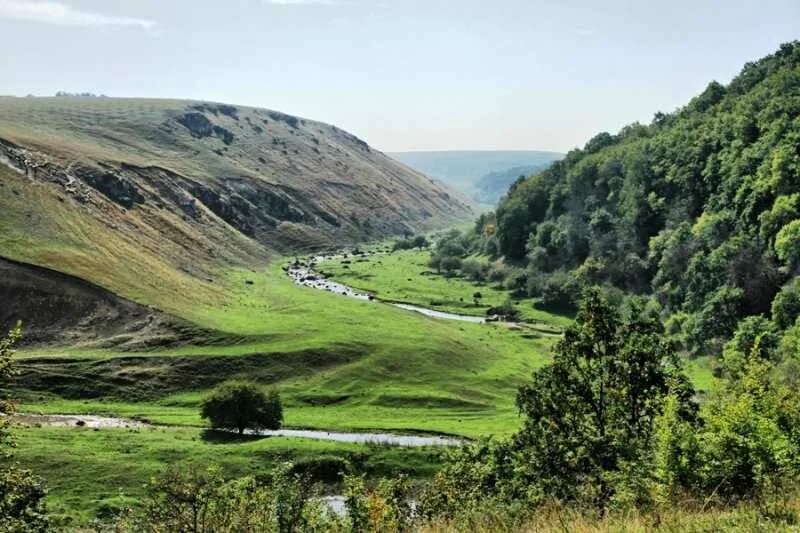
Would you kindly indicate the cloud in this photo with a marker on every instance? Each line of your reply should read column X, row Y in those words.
column 307, row 2
column 63, row 15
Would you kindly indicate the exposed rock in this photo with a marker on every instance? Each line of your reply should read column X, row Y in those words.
column 200, row 127
column 115, row 187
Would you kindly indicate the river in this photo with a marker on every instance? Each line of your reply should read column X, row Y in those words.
column 305, row 275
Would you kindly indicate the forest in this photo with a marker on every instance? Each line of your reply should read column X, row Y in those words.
column 698, row 211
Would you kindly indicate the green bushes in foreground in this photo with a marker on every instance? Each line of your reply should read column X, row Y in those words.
column 22, row 505
column 612, row 439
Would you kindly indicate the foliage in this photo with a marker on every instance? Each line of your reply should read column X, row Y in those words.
column 7, row 374
column 240, row 405
column 420, row 242
column 611, row 424
column 786, row 305
column 593, row 408
column 474, row 269
column 755, row 338
column 22, row 506
column 386, row 507
column 186, row 499
column 700, row 207
column 749, row 442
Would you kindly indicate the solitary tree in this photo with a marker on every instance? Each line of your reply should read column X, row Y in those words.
column 241, row 405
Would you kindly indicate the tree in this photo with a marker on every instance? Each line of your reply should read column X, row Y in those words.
column 474, row 269
column 786, row 305
column 450, row 264
column 241, row 405
column 420, row 241
column 22, row 505
column 593, row 408
column 787, row 243
column 755, row 338
column 749, row 439
column 186, row 499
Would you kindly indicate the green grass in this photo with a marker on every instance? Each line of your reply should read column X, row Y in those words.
column 404, row 276
column 93, row 473
column 339, row 363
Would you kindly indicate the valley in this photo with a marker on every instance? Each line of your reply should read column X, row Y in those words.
column 341, row 364
column 219, row 317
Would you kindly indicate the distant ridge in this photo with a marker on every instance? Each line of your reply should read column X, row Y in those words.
column 463, row 169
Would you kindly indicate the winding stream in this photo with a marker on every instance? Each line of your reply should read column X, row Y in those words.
column 305, row 275
column 97, row 422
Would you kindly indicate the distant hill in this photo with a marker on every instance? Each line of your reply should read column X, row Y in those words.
column 462, row 170
column 490, row 187
column 153, row 199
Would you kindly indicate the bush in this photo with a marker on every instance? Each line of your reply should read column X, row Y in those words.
column 755, row 338
column 420, row 241
column 507, row 310
column 561, row 291
column 474, row 269
column 749, row 444
column 497, row 274
column 450, row 264
column 323, row 468
column 241, row 405
column 786, row 305
column 186, row 499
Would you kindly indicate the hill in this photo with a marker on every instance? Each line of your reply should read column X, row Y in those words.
column 462, row 170
column 154, row 199
column 700, row 209
column 490, row 187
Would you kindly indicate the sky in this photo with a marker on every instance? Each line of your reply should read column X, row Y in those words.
column 401, row 74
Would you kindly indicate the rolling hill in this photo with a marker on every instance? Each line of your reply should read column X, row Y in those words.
column 153, row 199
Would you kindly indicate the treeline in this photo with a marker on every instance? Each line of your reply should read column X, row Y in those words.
column 699, row 210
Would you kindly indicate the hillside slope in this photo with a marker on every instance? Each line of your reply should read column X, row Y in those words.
column 155, row 199
column 701, row 208
column 279, row 179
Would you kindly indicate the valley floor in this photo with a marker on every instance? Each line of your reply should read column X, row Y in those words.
column 339, row 363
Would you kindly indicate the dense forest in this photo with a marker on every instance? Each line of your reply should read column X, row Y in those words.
column 699, row 210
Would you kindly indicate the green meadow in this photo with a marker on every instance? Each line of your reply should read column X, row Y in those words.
column 339, row 364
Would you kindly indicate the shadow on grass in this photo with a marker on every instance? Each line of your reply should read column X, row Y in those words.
column 218, row 436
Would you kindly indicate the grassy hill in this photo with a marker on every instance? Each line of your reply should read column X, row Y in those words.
column 153, row 200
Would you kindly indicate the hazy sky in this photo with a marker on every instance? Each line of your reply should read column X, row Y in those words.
column 402, row 74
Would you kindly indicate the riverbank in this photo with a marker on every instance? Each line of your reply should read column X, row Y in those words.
column 108, row 422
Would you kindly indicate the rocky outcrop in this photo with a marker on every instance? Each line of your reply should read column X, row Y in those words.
column 200, row 126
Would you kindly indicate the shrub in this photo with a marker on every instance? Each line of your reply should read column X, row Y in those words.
column 323, row 468
column 786, row 305
column 497, row 274
column 241, row 405
column 755, row 338
column 474, row 269
column 449, row 264
column 186, row 499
